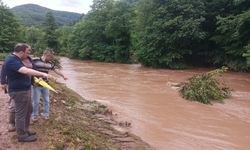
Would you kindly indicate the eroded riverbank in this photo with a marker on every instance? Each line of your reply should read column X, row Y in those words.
column 74, row 124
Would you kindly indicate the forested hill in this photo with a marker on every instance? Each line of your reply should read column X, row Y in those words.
column 31, row 14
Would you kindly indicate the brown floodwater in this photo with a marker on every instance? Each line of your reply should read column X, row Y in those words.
column 146, row 98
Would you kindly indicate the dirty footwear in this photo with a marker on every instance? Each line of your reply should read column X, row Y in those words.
column 11, row 128
column 26, row 138
column 44, row 116
column 31, row 133
column 34, row 119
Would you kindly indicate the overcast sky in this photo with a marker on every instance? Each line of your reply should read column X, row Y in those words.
column 79, row 6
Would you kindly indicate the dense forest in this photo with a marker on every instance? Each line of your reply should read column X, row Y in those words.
column 156, row 33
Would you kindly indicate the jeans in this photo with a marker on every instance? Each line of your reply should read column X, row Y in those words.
column 37, row 91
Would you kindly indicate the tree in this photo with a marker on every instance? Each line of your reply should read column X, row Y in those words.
column 104, row 33
column 35, row 37
column 167, row 31
column 234, row 38
column 9, row 29
column 210, row 51
column 64, row 34
column 247, row 55
column 50, row 31
column 117, row 30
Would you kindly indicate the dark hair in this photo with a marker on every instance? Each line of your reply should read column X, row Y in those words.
column 21, row 47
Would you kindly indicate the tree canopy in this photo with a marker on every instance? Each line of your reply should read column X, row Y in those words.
column 9, row 29
column 162, row 34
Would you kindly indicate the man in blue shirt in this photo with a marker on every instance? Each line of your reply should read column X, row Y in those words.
column 11, row 127
column 19, row 85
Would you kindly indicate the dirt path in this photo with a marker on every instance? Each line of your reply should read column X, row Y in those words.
column 8, row 139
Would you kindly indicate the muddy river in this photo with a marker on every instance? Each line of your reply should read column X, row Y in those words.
column 146, row 98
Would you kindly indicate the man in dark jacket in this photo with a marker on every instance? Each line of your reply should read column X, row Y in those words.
column 19, row 88
column 11, row 127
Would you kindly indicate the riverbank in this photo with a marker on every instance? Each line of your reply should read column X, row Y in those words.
column 146, row 98
column 74, row 123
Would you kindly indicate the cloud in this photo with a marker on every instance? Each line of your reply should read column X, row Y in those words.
column 79, row 6
column 70, row 3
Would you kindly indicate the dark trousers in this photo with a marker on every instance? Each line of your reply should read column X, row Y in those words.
column 23, row 110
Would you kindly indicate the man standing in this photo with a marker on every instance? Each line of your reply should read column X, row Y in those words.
column 19, row 84
column 43, row 64
column 4, row 85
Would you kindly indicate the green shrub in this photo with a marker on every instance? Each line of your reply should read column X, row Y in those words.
column 206, row 87
column 247, row 55
column 56, row 61
column 3, row 56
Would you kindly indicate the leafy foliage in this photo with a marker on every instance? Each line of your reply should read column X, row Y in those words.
column 64, row 34
column 234, row 36
column 56, row 62
column 35, row 38
column 205, row 87
column 3, row 56
column 9, row 29
column 104, row 33
column 162, row 34
column 167, row 31
column 247, row 55
column 50, row 27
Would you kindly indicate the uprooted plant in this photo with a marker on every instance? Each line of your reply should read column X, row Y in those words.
column 206, row 87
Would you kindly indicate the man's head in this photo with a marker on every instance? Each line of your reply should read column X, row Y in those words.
column 48, row 54
column 23, row 50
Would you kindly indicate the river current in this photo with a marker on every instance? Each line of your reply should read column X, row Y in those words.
column 148, row 99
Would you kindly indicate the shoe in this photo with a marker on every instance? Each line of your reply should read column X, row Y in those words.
column 11, row 128
column 31, row 133
column 26, row 138
column 34, row 119
column 44, row 117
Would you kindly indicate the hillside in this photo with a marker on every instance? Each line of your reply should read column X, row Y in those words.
column 31, row 14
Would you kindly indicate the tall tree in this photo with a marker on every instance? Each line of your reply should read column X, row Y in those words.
column 117, row 30
column 35, row 37
column 64, row 34
column 234, row 39
column 104, row 34
column 9, row 29
column 50, row 31
column 167, row 31
column 209, row 51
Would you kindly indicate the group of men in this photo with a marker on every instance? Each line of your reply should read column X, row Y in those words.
column 17, row 80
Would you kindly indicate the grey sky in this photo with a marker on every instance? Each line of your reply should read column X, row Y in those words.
column 79, row 6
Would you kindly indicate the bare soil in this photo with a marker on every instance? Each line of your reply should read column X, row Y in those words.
column 74, row 124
